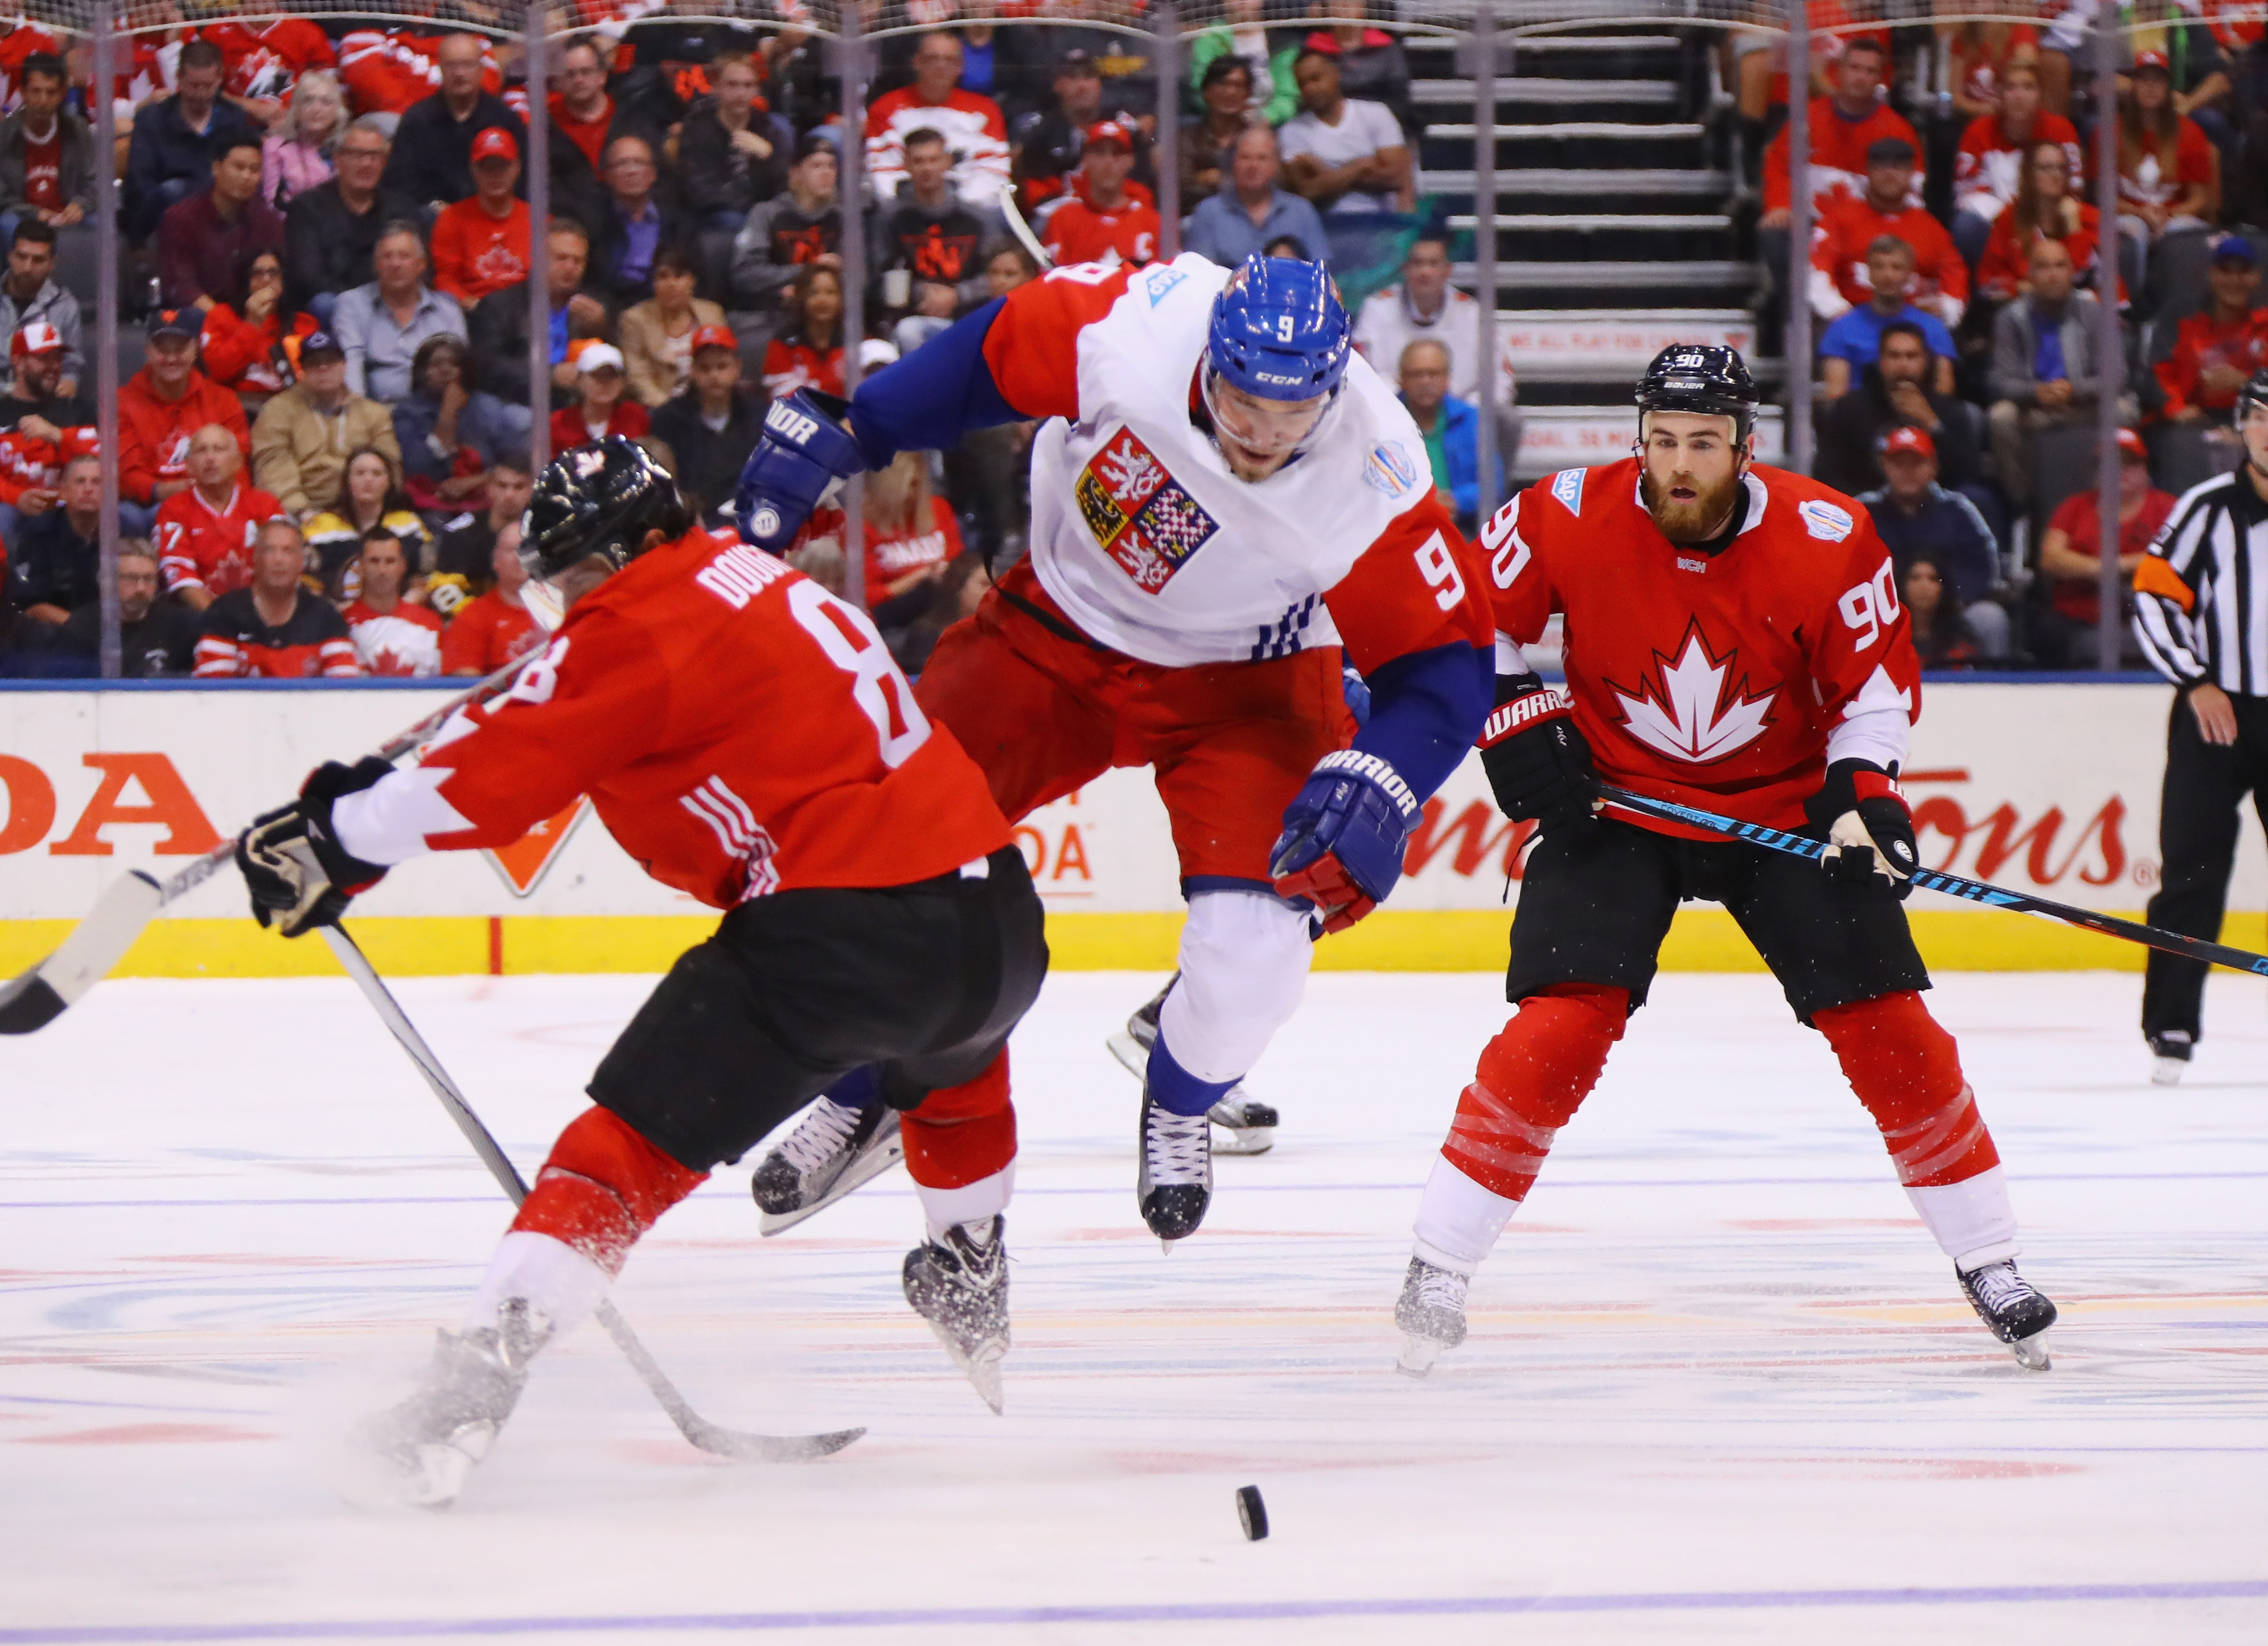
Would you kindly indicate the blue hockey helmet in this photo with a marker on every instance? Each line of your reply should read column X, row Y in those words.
column 1279, row 331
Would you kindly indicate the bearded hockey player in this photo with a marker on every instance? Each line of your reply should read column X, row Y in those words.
column 1224, row 497
column 875, row 915
column 1733, row 641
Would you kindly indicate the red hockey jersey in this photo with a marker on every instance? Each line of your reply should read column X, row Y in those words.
column 1839, row 152
column 266, row 63
column 1722, row 681
column 648, row 701
column 199, row 547
column 28, row 463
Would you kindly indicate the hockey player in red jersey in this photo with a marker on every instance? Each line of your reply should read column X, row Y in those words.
column 1225, row 501
column 875, row 914
column 1735, row 641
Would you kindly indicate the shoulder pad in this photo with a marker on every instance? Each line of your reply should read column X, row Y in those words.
column 1567, row 487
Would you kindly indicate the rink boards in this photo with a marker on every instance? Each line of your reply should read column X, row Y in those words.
column 2051, row 787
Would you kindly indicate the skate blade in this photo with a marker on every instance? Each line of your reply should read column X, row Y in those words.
column 1132, row 1055
column 2167, row 1071
column 863, row 1170
column 1242, row 1140
column 1418, row 1355
column 981, row 1369
column 2031, row 1352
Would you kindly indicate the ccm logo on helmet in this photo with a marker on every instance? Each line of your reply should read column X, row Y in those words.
column 789, row 423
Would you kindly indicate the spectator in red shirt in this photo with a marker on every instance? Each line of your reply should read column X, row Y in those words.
column 1986, row 170
column 605, row 408
column 491, row 630
column 392, row 638
column 1842, row 128
column 1103, row 222
column 207, row 242
column 205, row 533
column 809, row 352
column 255, row 354
column 273, row 629
column 1848, row 227
column 159, row 408
column 480, row 244
column 2045, row 208
column 2215, row 351
column 2169, row 176
column 2071, row 556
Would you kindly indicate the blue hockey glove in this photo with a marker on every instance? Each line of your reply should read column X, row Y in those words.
column 1341, row 849
column 300, row 876
column 805, row 450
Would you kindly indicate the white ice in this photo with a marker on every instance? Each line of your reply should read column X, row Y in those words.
column 1720, row 1386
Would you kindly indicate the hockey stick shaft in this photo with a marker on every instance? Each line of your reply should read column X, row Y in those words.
column 697, row 1430
column 1022, row 230
column 100, row 941
column 1950, row 884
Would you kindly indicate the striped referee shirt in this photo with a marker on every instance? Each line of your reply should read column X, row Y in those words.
column 2201, row 594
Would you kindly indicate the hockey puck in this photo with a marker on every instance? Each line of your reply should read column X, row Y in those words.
column 1251, row 1513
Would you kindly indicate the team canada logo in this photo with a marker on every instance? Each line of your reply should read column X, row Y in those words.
column 1693, row 710
column 1141, row 514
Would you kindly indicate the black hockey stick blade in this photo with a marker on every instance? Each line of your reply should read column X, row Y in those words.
column 85, row 959
column 1951, row 884
column 698, row 1430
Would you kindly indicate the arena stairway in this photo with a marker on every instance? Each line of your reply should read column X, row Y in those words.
column 1614, row 218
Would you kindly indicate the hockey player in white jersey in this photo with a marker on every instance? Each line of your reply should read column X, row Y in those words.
column 1225, row 499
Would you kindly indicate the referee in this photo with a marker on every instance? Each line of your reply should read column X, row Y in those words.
column 2195, row 613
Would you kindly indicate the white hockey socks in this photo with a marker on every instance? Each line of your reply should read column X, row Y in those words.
column 1458, row 1221
column 1244, row 959
column 558, row 1282
column 975, row 1204
column 1972, row 1220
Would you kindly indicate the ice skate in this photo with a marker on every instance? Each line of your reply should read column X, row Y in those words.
column 431, row 1441
column 831, row 1151
column 2170, row 1054
column 1250, row 1125
column 1431, row 1312
column 960, row 1288
column 2018, row 1315
column 1174, row 1183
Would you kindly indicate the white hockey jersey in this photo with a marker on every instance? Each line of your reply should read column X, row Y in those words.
column 1152, row 547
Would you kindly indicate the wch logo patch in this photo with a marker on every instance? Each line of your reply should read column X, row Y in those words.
column 1139, row 513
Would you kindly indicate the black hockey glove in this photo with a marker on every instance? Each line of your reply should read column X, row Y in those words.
column 300, row 876
column 1867, row 826
column 1538, row 762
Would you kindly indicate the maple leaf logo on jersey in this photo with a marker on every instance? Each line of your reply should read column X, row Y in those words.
column 1690, row 711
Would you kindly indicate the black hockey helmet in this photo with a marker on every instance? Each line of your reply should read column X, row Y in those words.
column 2254, row 393
column 1704, row 378
column 599, row 499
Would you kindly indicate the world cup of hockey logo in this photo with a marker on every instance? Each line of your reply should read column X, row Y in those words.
column 1693, row 710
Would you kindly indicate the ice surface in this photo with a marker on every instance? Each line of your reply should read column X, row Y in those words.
column 1720, row 1386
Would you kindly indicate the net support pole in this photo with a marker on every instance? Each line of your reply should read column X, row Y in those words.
column 538, row 48
column 106, row 323
column 1168, row 147
column 852, row 170
column 1797, row 346
column 2109, row 352
column 1484, row 253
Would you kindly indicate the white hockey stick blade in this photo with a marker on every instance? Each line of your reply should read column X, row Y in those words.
column 97, row 943
column 864, row 1169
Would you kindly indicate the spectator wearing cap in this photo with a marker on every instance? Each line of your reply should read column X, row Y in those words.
column 2216, row 348
column 1047, row 142
column 480, row 243
column 712, row 424
column 1915, row 516
column 205, row 532
column 729, row 157
column 1849, row 228
column 1254, row 209
column 605, row 407
column 1853, row 339
column 782, row 234
column 432, row 161
column 973, row 128
column 254, row 354
column 499, row 323
column 1102, row 222
column 35, row 399
column 156, row 639
column 207, row 242
column 301, row 441
column 1896, row 388
column 330, row 232
column 175, row 139
column 657, row 334
column 585, row 124
column 1126, row 64
column 930, row 233
column 160, row 407
column 1371, row 61
column 449, row 430
column 46, row 153
column 1346, row 155
column 31, row 295
column 273, row 629
column 2071, row 557
column 641, row 215
column 381, row 325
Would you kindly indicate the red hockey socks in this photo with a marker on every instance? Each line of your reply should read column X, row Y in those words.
column 1531, row 1079
column 603, row 1186
column 1907, row 1071
column 960, row 1149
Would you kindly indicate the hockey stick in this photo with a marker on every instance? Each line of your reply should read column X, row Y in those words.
column 711, row 1437
column 1951, row 884
column 100, row 941
column 1022, row 230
